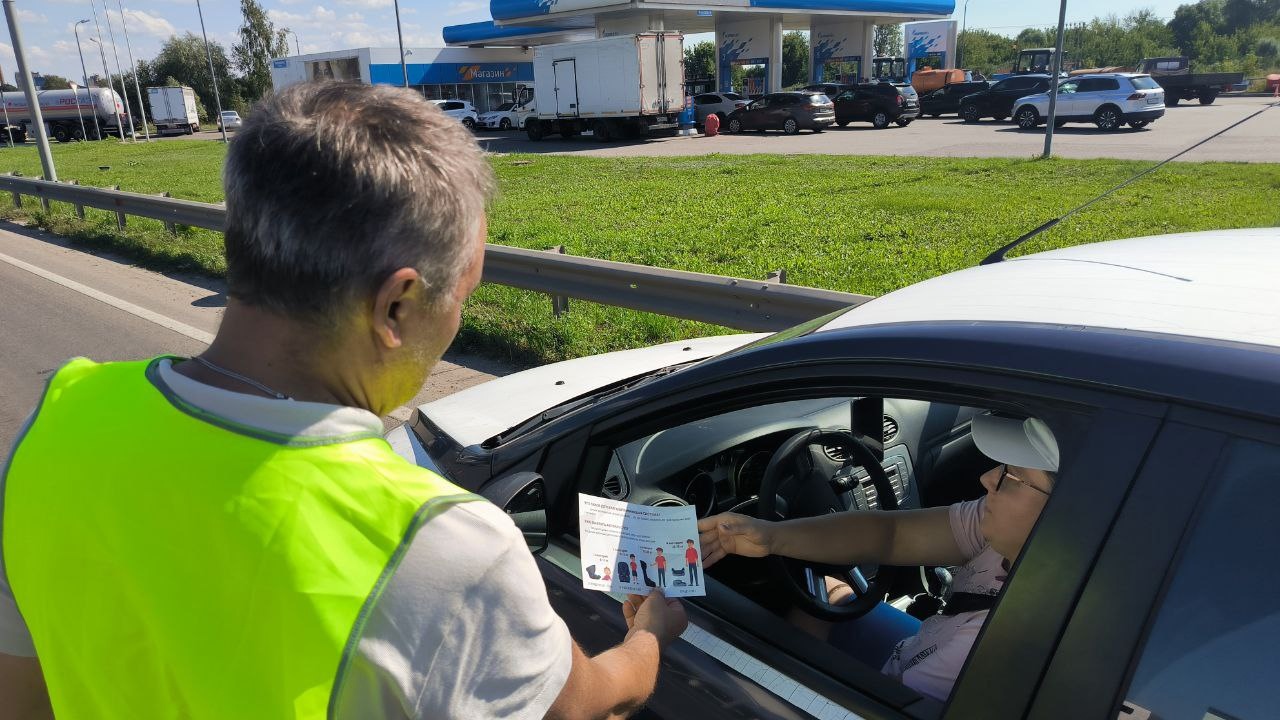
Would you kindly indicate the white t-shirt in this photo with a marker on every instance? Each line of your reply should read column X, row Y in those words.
column 930, row 660
column 463, row 628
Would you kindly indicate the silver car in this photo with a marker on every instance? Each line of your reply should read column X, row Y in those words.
column 717, row 103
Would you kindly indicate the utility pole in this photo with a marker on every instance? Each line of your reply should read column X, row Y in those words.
column 124, row 84
column 1055, row 69
column 75, row 88
column 97, row 129
column 29, row 88
column 137, row 88
column 102, row 52
column 297, row 45
column 214, row 77
column 404, row 69
column 8, row 127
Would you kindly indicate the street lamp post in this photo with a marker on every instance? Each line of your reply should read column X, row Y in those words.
column 29, row 89
column 124, row 84
column 97, row 129
column 217, row 100
column 8, row 127
column 84, row 134
column 137, row 87
column 107, row 71
column 297, row 45
column 1053, row 82
column 964, row 23
column 404, row 69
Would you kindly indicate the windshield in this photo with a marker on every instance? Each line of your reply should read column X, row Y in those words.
column 504, row 106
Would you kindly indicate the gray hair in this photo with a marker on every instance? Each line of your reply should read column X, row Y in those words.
column 332, row 186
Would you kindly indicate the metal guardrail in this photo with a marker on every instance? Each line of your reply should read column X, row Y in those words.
column 732, row 302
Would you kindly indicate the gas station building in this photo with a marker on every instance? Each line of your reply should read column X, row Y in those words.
column 747, row 32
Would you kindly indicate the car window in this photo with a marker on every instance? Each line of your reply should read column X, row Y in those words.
column 1068, row 88
column 706, row 100
column 1144, row 82
column 1210, row 652
column 1167, row 65
column 819, row 99
column 733, row 96
column 1108, row 84
column 451, row 106
column 846, row 95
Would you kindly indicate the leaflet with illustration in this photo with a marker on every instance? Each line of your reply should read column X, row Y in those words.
column 628, row 548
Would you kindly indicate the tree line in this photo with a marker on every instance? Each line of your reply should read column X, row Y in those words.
column 1217, row 35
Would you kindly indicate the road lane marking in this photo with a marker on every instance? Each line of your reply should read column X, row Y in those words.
column 136, row 310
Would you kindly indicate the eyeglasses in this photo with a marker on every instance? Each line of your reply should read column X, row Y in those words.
column 1004, row 473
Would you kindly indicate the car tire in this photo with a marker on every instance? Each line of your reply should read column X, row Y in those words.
column 722, row 117
column 533, row 129
column 468, row 123
column 790, row 126
column 734, row 127
column 902, row 123
column 504, row 124
column 1108, row 118
column 880, row 120
column 601, row 131
column 1139, row 124
column 1171, row 100
column 842, row 123
column 1027, row 117
column 1207, row 98
column 969, row 113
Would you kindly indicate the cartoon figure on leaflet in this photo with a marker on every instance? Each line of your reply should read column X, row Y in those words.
column 660, row 562
column 607, row 576
column 691, row 559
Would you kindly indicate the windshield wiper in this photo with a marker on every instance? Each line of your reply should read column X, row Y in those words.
column 998, row 255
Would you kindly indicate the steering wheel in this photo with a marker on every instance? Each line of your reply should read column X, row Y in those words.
column 816, row 484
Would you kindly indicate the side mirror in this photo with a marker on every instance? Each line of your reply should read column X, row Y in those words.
column 522, row 496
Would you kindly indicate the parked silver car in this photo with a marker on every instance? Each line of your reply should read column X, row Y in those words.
column 717, row 103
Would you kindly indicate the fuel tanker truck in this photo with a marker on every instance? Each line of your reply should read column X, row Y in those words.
column 62, row 111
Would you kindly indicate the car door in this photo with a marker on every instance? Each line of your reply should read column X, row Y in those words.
column 1068, row 104
column 754, row 114
column 1010, row 90
column 762, row 666
column 1179, row 617
column 780, row 108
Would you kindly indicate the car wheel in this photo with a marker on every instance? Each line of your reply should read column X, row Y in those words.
column 969, row 113
column 533, row 129
column 735, row 126
column 902, row 123
column 504, row 124
column 602, row 132
column 842, row 123
column 60, row 133
column 1207, row 98
column 468, row 123
column 880, row 120
column 1027, row 117
column 790, row 126
column 1171, row 100
column 1139, row 124
column 1108, row 118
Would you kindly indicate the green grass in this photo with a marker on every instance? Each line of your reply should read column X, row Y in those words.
column 859, row 224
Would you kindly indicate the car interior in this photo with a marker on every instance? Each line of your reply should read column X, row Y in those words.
column 809, row 456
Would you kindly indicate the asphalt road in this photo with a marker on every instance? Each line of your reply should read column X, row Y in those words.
column 948, row 136
column 57, row 303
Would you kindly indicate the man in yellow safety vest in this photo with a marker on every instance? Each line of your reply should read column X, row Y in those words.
column 229, row 536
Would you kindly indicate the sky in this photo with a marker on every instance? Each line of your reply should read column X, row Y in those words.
column 321, row 25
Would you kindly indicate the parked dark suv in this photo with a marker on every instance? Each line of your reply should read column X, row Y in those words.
column 878, row 104
column 789, row 112
column 946, row 99
column 997, row 101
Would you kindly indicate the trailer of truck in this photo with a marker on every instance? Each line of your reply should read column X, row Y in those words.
column 173, row 109
column 623, row 86
column 64, row 111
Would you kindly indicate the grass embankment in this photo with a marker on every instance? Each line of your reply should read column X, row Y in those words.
column 859, row 224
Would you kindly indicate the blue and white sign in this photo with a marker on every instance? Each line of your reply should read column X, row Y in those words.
column 451, row 73
column 704, row 13
column 279, row 64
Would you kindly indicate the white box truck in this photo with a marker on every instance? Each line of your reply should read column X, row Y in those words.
column 173, row 109
column 623, row 86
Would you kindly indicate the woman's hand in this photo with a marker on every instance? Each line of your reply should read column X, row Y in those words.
column 733, row 534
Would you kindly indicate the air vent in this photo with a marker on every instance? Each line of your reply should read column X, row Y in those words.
column 668, row 502
column 614, row 488
column 890, row 428
column 835, row 452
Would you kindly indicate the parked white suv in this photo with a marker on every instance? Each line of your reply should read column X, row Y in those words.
column 508, row 116
column 460, row 110
column 1108, row 100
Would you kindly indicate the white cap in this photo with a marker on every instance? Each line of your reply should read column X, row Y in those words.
column 1025, row 443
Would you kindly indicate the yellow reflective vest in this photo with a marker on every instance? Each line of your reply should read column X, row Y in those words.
column 170, row 564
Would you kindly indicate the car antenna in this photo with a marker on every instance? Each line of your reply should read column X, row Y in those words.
column 998, row 255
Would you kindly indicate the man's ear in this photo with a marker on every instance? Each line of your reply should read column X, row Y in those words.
column 397, row 297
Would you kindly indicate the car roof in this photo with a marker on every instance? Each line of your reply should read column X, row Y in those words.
column 1217, row 285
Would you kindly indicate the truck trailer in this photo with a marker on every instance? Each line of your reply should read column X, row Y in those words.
column 622, row 86
column 173, row 109
column 63, row 111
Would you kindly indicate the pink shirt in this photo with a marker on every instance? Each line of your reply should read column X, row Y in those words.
column 930, row 660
